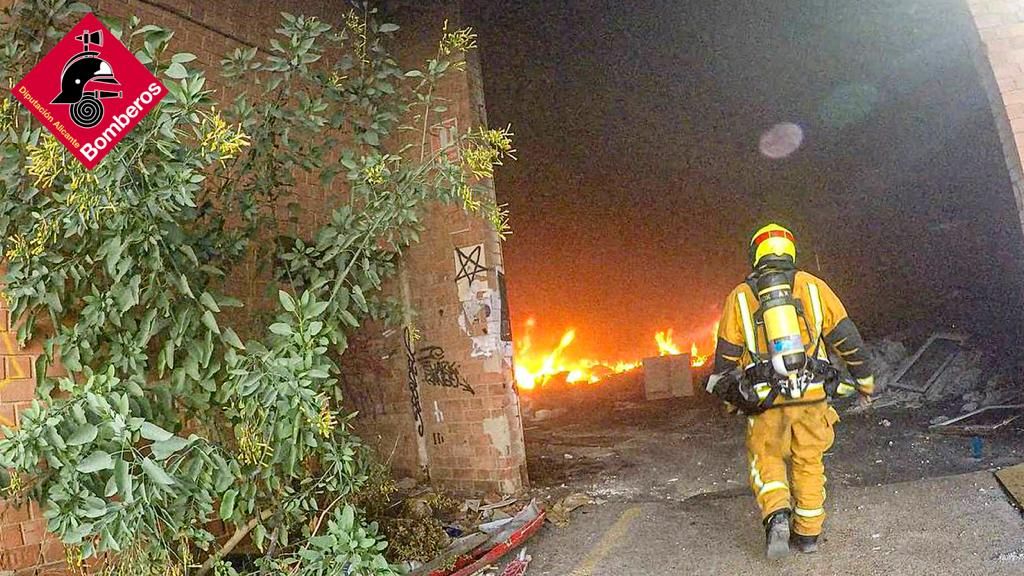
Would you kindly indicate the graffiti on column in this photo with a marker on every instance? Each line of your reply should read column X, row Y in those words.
column 479, row 305
column 470, row 270
column 414, row 385
column 437, row 371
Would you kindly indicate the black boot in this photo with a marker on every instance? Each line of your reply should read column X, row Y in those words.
column 803, row 544
column 776, row 531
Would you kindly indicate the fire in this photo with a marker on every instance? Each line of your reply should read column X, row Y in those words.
column 696, row 358
column 666, row 347
column 534, row 368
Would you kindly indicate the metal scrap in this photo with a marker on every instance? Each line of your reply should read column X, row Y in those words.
column 917, row 375
column 947, row 426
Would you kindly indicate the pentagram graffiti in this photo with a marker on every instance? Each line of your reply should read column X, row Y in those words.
column 440, row 372
column 414, row 385
column 469, row 268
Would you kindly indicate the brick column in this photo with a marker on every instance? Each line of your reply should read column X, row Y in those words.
column 999, row 57
column 467, row 425
column 24, row 543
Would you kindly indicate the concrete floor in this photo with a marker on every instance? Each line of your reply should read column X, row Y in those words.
column 670, row 479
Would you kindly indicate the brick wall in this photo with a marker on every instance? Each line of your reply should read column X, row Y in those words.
column 999, row 57
column 24, row 543
column 467, row 434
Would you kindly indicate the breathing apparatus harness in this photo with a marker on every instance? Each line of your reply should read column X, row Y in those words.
column 788, row 370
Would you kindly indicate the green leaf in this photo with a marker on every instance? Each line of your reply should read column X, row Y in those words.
column 163, row 450
column 96, row 461
column 156, row 473
column 281, row 329
column 348, row 517
column 185, row 288
column 183, row 57
column 229, row 336
column 176, row 71
column 207, row 300
column 389, row 27
column 54, row 438
column 210, row 322
column 107, row 542
column 111, row 488
column 155, row 433
column 227, row 504
column 357, row 295
column 287, row 302
column 83, row 435
column 124, row 481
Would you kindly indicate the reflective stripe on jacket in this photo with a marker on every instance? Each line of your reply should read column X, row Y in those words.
column 825, row 324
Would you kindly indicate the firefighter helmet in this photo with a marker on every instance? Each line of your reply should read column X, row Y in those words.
column 84, row 68
column 772, row 242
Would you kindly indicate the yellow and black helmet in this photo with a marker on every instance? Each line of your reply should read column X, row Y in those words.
column 772, row 242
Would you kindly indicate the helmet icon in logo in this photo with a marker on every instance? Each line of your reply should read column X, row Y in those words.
column 81, row 70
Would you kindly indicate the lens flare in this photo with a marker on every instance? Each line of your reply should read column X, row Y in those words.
column 781, row 140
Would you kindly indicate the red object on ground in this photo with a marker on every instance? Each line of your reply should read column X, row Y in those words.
column 518, row 566
column 468, row 565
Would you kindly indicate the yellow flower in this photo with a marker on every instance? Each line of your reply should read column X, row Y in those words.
column 8, row 114
column 218, row 138
column 24, row 247
column 357, row 25
column 46, row 161
column 374, row 175
column 73, row 560
column 251, row 447
column 461, row 40
column 486, row 149
column 326, row 423
column 15, row 485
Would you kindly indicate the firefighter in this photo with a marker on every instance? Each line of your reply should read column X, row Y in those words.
column 771, row 363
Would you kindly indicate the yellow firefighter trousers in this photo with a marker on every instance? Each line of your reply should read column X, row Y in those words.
column 801, row 434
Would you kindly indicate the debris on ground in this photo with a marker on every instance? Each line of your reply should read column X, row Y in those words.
column 487, row 544
column 887, row 357
column 1012, row 556
column 959, row 376
column 518, row 566
column 980, row 421
column 919, row 372
column 1012, row 480
column 945, row 369
column 559, row 514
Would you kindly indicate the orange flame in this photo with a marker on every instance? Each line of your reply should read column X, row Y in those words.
column 696, row 358
column 534, row 368
column 666, row 347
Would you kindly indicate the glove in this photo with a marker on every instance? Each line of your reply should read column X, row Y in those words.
column 725, row 385
column 728, row 387
column 864, row 400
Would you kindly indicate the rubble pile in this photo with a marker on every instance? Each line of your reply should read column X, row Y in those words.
column 963, row 376
column 887, row 357
column 432, row 534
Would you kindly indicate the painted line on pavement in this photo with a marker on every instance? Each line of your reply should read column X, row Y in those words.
column 611, row 539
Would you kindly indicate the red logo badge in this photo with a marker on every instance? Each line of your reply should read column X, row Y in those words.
column 89, row 91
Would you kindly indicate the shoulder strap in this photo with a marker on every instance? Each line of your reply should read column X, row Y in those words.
column 748, row 323
column 819, row 317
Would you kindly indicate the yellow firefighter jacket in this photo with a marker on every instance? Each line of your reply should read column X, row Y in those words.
column 826, row 325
